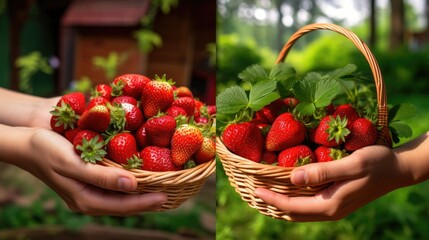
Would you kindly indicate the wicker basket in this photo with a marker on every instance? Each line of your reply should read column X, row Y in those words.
column 178, row 185
column 245, row 175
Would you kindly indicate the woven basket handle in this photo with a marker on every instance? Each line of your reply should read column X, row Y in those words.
column 385, row 137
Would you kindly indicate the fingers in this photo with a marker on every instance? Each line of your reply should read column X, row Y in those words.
column 321, row 173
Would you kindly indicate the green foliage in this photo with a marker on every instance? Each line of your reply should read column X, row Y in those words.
column 29, row 65
column 147, row 40
column 110, row 63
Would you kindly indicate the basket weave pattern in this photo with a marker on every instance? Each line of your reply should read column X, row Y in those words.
column 245, row 175
column 178, row 185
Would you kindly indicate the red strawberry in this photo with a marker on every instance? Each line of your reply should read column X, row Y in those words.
column 269, row 157
column 129, row 85
column 141, row 137
column 183, row 91
column 125, row 116
column 186, row 140
column 97, row 101
column 206, row 152
column 198, row 105
column 296, row 156
column 285, row 132
column 346, row 111
column 160, row 129
column 157, row 96
column 176, row 111
column 244, row 139
column 331, row 131
column 211, row 110
column 96, row 118
column 67, row 111
column 290, row 103
column 70, row 134
column 326, row 154
column 270, row 112
column 363, row 133
column 102, row 90
column 89, row 145
column 187, row 103
column 201, row 120
column 157, row 159
column 124, row 99
column 122, row 147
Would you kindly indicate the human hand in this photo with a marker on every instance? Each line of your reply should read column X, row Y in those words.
column 88, row 188
column 357, row 179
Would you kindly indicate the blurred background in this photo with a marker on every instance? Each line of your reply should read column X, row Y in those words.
column 50, row 47
column 397, row 32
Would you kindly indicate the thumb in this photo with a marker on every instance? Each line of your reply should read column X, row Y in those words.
column 320, row 173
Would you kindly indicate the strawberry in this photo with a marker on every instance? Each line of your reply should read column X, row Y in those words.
column 97, row 101
column 201, row 120
column 244, row 139
column 160, row 129
column 363, row 133
column 89, row 145
column 124, row 99
column 211, row 110
column 102, row 90
column 330, row 132
column 198, row 106
column 285, row 132
column 96, row 118
column 290, row 103
column 157, row 159
column 70, row 134
column 176, row 111
column 125, row 116
column 296, row 156
column 129, row 85
column 183, row 91
column 269, row 157
column 67, row 111
column 346, row 111
column 270, row 112
column 326, row 154
column 187, row 103
column 122, row 147
column 206, row 152
column 141, row 137
column 157, row 96
column 186, row 140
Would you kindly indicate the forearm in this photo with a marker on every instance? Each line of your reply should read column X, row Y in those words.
column 416, row 156
column 14, row 144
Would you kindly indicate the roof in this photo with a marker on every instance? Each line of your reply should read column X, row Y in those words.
column 105, row 12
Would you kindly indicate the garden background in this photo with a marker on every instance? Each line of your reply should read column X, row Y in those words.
column 253, row 32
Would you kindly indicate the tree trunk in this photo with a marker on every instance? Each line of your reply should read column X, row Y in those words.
column 373, row 23
column 280, row 27
column 397, row 23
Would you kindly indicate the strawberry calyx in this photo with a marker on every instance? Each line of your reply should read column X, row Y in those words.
column 336, row 154
column 164, row 79
column 337, row 129
column 65, row 115
column 117, row 116
column 117, row 88
column 303, row 161
column 92, row 150
column 189, row 164
column 134, row 162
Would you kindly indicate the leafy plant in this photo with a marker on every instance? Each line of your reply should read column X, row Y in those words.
column 110, row 63
column 29, row 65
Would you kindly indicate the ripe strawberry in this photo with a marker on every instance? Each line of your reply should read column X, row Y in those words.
column 129, row 85
column 157, row 159
column 331, row 131
column 186, row 140
column 363, row 133
column 269, row 157
column 183, row 91
column 97, row 101
column 187, row 103
column 102, row 90
column 124, row 99
column 285, row 132
column 326, row 154
column 296, row 156
column 125, row 116
column 198, row 106
column 96, row 118
column 290, row 103
column 70, row 134
column 176, row 111
column 157, row 96
column 122, row 147
column 201, row 120
column 67, row 111
column 211, row 110
column 89, row 145
column 270, row 112
column 346, row 111
column 206, row 152
column 160, row 129
column 141, row 137
column 244, row 139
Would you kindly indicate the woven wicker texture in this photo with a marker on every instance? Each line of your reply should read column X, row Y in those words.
column 245, row 175
column 178, row 185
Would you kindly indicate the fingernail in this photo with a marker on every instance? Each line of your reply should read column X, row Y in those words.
column 125, row 184
column 299, row 177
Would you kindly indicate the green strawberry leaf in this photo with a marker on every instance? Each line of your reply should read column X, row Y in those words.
column 253, row 74
column 232, row 100
column 341, row 72
column 402, row 111
column 285, row 75
column 262, row 94
column 326, row 91
column 400, row 130
column 304, row 90
column 305, row 108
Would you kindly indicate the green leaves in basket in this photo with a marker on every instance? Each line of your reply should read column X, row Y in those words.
column 397, row 126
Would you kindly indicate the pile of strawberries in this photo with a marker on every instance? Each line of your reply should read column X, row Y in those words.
column 138, row 122
column 279, row 135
